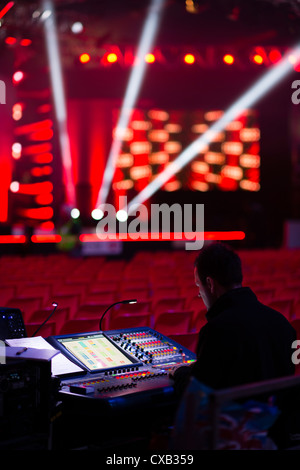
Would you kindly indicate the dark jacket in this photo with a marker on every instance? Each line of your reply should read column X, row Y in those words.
column 243, row 341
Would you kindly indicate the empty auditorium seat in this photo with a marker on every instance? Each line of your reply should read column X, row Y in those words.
column 93, row 311
column 27, row 306
column 169, row 323
column 135, row 293
column 79, row 326
column 198, row 324
column 6, row 293
column 296, row 309
column 163, row 292
column 100, row 297
column 168, row 304
column 59, row 317
column 33, row 290
column 142, row 306
column 72, row 289
column 103, row 287
column 129, row 320
column 290, row 292
column 264, row 295
column 296, row 325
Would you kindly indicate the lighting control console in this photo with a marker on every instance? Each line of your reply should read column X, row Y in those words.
column 120, row 363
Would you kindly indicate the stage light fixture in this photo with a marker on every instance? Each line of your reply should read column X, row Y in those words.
column 17, row 111
column 189, row 59
column 16, row 150
column 131, row 94
column 75, row 213
column 111, row 58
column 84, row 58
column 228, row 59
column 77, row 27
column 36, row 14
column 191, row 6
column 122, row 215
column 150, row 58
column 46, row 14
column 14, row 186
column 262, row 86
column 97, row 214
column 258, row 59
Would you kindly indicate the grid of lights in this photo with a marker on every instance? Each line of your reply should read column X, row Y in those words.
column 155, row 138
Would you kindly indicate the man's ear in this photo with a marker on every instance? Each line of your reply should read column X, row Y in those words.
column 210, row 284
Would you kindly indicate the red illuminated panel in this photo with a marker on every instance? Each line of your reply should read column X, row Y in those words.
column 44, row 199
column 7, row 239
column 46, row 134
column 46, row 238
column 43, row 158
column 228, row 184
column 10, row 40
column 25, row 42
column 34, row 127
column 231, row 235
column 39, row 171
column 44, row 108
column 36, row 188
column 36, row 149
column 40, row 213
column 48, row 225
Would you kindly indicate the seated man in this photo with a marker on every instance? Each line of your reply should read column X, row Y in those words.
column 243, row 340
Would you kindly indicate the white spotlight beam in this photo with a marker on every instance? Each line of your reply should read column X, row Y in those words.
column 132, row 92
column 59, row 97
column 257, row 91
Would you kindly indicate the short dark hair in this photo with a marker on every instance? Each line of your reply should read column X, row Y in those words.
column 220, row 262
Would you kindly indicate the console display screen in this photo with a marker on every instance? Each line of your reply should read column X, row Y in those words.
column 95, row 351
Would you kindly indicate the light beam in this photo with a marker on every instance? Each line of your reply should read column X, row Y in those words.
column 132, row 91
column 59, row 98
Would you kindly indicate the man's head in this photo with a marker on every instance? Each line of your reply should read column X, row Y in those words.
column 217, row 270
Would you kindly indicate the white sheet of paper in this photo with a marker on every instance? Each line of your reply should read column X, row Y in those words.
column 60, row 364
